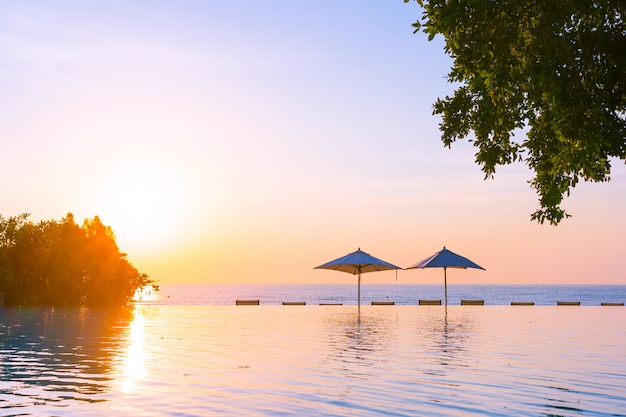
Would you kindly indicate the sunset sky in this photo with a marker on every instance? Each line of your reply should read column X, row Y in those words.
column 248, row 142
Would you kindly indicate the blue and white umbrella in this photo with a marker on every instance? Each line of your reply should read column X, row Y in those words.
column 359, row 263
column 445, row 259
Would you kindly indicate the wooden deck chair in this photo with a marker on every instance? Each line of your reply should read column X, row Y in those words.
column 247, row 302
column 568, row 303
column 383, row 303
column 522, row 303
column 472, row 302
column 429, row 302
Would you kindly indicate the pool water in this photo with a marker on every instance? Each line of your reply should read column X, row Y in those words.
column 314, row 360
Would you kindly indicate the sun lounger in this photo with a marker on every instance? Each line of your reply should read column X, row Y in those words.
column 522, row 303
column 294, row 303
column 429, row 302
column 568, row 303
column 383, row 303
column 247, row 302
column 472, row 302
column 611, row 304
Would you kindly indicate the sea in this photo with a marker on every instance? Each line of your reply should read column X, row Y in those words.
column 191, row 351
column 400, row 294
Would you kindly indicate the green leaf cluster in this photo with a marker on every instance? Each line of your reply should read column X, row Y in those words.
column 61, row 263
column 555, row 70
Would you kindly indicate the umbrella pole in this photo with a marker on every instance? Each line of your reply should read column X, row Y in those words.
column 359, row 291
column 445, row 285
column 359, row 297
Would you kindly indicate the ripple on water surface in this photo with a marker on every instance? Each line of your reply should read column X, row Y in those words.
column 314, row 360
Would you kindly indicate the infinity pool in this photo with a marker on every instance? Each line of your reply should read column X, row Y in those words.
column 314, row 361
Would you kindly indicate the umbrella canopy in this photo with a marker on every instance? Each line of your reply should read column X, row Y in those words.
column 357, row 263
column 445, row 259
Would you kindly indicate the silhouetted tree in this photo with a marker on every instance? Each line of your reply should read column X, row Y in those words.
column 60, row 263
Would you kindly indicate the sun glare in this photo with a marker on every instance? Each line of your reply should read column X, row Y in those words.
column 145, row 294
column 134, row 363
column 144, row 209
column 144, row 205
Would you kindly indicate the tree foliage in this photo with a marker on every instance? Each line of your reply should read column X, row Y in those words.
column 555, row 70
column 61, row 263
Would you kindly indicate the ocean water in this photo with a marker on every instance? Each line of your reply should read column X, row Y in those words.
column 400, row 294
column 203, row 359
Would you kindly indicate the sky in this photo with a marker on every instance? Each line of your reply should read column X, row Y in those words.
column 230, row 142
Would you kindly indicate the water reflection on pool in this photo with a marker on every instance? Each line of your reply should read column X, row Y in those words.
column 314, row 360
